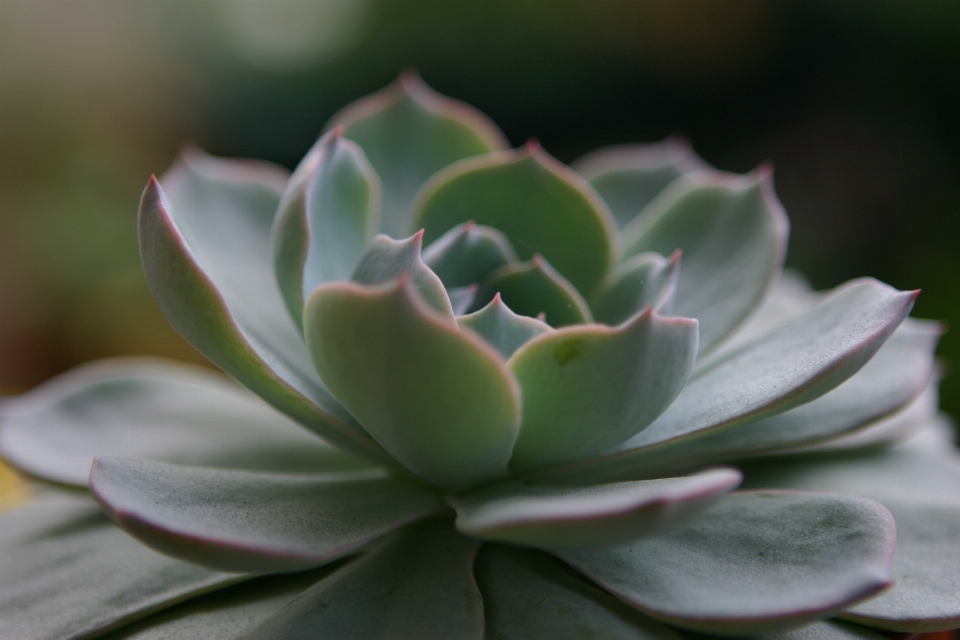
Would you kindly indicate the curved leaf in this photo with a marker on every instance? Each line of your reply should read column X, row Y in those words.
column 755, row 562
column 69, row 573
column 533, row 288
column 416, row 585
column 328, row 212
column 467, row 253
column 527, row 595
column 825, row 630
column 588, row 388
column 205, row 247
column 141, row 407
column 440, row 400
column 629, row 176
column 386, row 258
column 923, row 493
column 223, row 615
column 539, row 204
column 558, row 517
column 252, row 521
column 409, row 132
column 502, row 328
column 733, row 234
column 646, row 279
column 461, row 298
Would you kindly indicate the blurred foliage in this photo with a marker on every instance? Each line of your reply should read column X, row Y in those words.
column 856, row 102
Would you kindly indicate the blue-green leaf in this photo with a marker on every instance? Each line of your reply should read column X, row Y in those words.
column 141, row 407
column 205, row 247
column 733, row 234
column 539, row 204
column 409, row 132
column 629, row 176
column 589, row 388
column 533, row 288
column 562, row 517
column 386, row 258
column 467, row 253
column 329, row 210
column 755, row 562
column 646, row 279
column 439, row 399
column 254, row 521
column 501, row 327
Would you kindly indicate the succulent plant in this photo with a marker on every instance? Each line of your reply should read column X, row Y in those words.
column 504, row 398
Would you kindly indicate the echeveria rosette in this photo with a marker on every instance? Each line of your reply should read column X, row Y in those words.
column 534, row 389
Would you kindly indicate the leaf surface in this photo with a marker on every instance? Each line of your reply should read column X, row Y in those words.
column 646, row 279
column 755, row 562
column 502, row 328
column 467, row 253
column 539, row 204
column 732, row 231
column 439, row 399
column 253, row 521
column 206, row 251
column 557, row 517
column 527, row 595
column 416, row 585
column 409, row 132
column 149, row 408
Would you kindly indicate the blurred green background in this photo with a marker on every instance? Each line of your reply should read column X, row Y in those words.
column 855, row 102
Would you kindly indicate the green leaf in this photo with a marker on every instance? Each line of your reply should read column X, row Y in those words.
column 501, row 327
column 922, row 490
column 439, row 399
column 141, row 407
column 329, row 210
column 254, row 521
column 409, row 132
column 387, row 258
column 534, row 287
column 539, row 204
column 68, row 572
column 461, row 298
column 416, row 585
column 733, row 234
column 527, row 595
column 225, row 614
column 564, row 517
column 205, row 247
column 467, row 253
column 646, row 279
column 755, row 562
column 588, row 388
column 629, row 176
column 892, row 379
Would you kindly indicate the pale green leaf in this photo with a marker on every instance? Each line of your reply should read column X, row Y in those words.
column 501, row 327
column 467, row 253
column 646, row 279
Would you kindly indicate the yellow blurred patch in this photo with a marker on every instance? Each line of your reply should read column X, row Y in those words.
column 14, row 490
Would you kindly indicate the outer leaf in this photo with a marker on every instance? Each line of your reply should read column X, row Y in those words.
column 251, row 521
column 140, row 407
column 629, row 176
column 206, row 254
column 416, row 585
column 534, row 287
column 386, row 259
column 503, row 328
column 410, row 132
column 756, row 562
column 329, row 210
column 227, row 614
column 528, row 595
column 733, row 234
column 557, row 517
column 467, row 253
column 923, row 493
column 824, row 630
column 541, row 205
column 68, row 573
column 439, row 399
column 646, row 279
column 894, row 377
column 588, row 388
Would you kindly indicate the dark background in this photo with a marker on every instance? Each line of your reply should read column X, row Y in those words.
column 856, row 103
